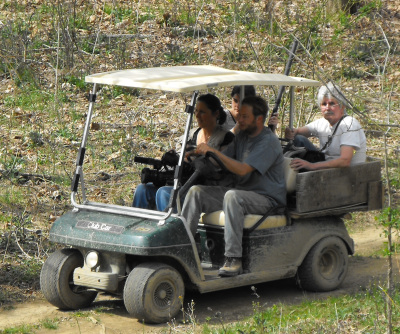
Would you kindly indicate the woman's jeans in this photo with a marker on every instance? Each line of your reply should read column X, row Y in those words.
column 148, row 196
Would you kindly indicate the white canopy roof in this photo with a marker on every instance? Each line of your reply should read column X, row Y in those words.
column 195, row 77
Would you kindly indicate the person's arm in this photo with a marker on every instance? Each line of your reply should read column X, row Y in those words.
column 229, row 137
column 234, row 166
column 346, row 154
column 235, row 130
column 291, row 133
column 273, row 120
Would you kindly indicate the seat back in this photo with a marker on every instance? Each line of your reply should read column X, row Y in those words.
column 290, row 175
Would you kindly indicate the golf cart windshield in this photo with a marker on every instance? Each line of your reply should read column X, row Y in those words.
column 171, row 79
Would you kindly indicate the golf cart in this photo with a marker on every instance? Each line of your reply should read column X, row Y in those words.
column 151, row 258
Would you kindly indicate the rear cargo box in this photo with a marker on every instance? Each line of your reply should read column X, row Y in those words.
column 338, row 190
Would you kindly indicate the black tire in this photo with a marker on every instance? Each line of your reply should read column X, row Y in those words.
column 56, row 281
column 154, row 292
column 325, row 266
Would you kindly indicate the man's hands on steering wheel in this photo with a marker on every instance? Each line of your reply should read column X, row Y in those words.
column 207, row 167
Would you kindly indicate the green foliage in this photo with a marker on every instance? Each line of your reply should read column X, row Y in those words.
column 79, row 21
column 395, row 182
column 175, row 54
column 28, row 98
column 4, row 295
column 363, row 310
column 67, row 133
column 119, row 13
column 12, row 164
column 29, row 271
column 112, row 92
column 23, row 329
column 146, row 17
column 234, row 55
column 369, row 8
column 35, row 139
column 87, row 46
column 50, row 323
column 26, row 75
column 389, row 218
column 79, row 83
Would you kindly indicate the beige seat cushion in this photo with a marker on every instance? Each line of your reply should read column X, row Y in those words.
column 217, row 218
column 290, row 175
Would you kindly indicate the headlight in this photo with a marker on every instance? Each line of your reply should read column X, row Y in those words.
column 92, row 259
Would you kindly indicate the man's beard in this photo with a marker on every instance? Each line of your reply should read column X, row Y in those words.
column 251, row 129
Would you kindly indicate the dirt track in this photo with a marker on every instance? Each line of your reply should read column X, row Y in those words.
column 233, row 304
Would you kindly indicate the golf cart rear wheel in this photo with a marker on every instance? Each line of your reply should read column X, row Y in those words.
column 56, row 281
column 325, row 266
column 154, row 292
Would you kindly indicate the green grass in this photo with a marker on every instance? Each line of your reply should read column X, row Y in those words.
column 362, row 312
column 50, row 323
column 23, row 329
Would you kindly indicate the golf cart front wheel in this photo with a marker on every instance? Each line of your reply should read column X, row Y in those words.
column 56, row 281
column 154, row 292
column 325, row 266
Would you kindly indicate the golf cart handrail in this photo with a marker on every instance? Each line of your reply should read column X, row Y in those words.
column 119, row 209
column 173, row 79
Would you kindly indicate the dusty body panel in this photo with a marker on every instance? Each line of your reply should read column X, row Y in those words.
column 127, row 235
column 336, row 187
column 269, row 254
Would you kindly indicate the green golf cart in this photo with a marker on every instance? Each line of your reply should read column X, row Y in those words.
column 150, row 258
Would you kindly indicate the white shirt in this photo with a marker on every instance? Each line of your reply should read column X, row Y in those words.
column 349, row 133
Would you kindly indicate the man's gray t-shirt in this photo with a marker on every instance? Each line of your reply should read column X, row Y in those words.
column 264, row 154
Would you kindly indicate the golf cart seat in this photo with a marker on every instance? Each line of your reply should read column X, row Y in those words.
column 217, row 218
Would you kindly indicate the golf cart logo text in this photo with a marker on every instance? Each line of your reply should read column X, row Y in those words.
column 103, row 227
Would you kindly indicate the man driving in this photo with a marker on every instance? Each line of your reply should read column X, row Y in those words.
column 255, row 157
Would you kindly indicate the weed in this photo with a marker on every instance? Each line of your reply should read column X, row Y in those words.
column 12, row 165
column 79, row 83
column 36, row 139
column 4, row 297
column 23, row 329
column 369, row 8
column 66, row 133
column 322, row 316
column 389, row 218
column 50, row 323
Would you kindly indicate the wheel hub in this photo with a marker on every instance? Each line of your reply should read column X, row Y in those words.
column 163, row 295
column 328, row 264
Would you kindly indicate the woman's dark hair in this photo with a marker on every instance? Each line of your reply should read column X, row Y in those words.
column 249, row 90
column 214, row 104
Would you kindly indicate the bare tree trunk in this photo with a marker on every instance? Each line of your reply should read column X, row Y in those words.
column 390, row 260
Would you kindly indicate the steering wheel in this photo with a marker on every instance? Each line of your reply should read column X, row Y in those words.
column 213, row 156
column 205, row 167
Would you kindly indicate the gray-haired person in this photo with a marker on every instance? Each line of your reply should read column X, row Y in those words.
column 343, row 146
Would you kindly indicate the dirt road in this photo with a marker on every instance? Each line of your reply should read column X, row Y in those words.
column 108, row 315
